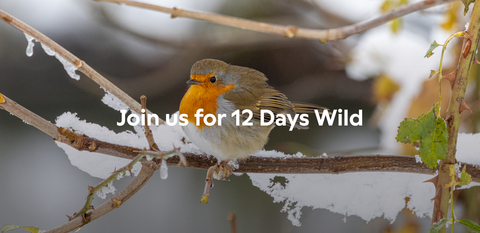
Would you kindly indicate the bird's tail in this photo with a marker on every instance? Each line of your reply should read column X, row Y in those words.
column 308, row 108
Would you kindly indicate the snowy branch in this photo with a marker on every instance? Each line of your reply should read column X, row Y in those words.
column 79, row 64
column 335, row 165
column 288, row 31
column 145, row 173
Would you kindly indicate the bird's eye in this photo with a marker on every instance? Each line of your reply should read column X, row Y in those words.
column 213, row 79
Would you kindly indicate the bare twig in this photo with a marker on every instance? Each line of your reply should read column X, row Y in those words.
column 29, row 117
column 231, row 219
column 145, row 173
column 288, row 31
column 208, row 185
column 81, row 65
column 148, row 132
column 104, row 183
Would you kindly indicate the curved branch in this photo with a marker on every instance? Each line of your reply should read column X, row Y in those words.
column 288, row 31
column 81, row 65
column 116, row 201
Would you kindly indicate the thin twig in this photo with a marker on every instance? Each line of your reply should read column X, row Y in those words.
column 104, row 183
column 148, row 132
column 145, row 173
column 81, row 65
column 231, row 219
column 208, row 185
column 288, row 31
column 29, row 117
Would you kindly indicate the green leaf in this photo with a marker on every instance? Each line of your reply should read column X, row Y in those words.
column 470, row 225
column 465, row 178
column 432, row 133
column 13, row 227
column 437, row 226
column 467, row 4
column 433, row 46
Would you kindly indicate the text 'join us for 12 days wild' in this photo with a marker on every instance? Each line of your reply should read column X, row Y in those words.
column 244, row 118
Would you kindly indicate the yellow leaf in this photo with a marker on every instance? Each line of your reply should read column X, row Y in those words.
column 384, row 88
column 386, row 6
column 451, row 16
column 396, row 25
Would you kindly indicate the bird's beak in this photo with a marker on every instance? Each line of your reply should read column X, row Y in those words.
column 193, row 82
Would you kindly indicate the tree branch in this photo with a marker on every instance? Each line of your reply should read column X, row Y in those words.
column 116, row 201
column 335, row 165
column 288, row 31
column 81, row 65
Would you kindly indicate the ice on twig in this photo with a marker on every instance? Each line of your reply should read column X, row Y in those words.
column 163, row 170
column 112, row 101
column 47, row 50
column 102, row 193
column 30, row 45
column 69, row 67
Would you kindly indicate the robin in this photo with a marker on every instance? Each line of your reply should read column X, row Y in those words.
column 220, row 88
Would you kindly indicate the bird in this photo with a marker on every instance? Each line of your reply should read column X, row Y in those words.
column 220, row 88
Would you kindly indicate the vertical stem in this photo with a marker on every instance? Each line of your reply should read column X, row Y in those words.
column 453, row 114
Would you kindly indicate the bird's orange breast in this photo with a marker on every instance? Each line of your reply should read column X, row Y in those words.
column 203, row 96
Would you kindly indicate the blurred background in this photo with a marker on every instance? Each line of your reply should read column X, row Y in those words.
column 381, row 71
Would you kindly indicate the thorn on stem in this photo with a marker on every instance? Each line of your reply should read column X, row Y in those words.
column 451, row 78
column 90, row 190
column 476, row 61
column 434, row 180
column 464, row 106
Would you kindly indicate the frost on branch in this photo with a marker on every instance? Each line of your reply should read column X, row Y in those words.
column 68, row 66
column 102, row 193
column 163, row 170
column 30, row 45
